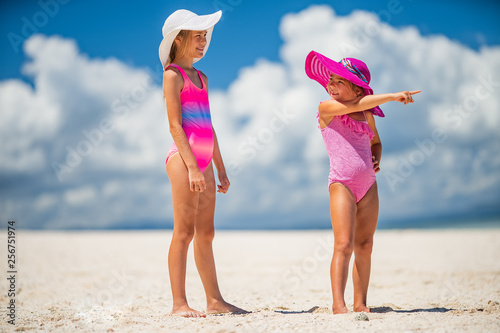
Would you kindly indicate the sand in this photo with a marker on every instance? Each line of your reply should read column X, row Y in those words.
column 431, row 281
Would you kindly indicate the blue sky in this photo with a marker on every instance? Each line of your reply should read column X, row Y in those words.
column 131, row 30
column 84, row 93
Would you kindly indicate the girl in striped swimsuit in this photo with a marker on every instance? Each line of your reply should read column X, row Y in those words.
column 189, row 161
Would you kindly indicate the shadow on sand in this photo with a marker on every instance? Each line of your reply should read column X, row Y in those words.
column 311, row 310
column 385, row 309
column 381, row 309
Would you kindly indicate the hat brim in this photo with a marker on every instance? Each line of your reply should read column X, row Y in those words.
column 195, row 23
column 320, row 68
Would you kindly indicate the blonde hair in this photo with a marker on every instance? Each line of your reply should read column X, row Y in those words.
column 179, row 51
column 355, row 88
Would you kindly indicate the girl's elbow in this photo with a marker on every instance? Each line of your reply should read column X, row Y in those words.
column 174, row 128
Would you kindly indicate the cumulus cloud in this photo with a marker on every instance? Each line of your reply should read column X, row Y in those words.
column 84, row 146
column 438, row 152
column 83, row 142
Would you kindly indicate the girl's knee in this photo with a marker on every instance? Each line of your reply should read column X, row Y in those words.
column 364, row 247
column 184, row 235
column 205, row 235
column 344, row 247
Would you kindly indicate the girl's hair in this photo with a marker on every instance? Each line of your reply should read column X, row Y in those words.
column 178, row 51
column 355, row 88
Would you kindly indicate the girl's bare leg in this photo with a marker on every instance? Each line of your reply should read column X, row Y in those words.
column 203, row 253
column 185, row 204
column 343, row 215
column 366, row 223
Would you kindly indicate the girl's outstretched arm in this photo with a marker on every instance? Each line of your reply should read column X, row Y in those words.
column 219, row 165
column 331, row 108
column 172, row 86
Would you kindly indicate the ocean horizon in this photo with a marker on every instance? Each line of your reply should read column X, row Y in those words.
column 445, row 222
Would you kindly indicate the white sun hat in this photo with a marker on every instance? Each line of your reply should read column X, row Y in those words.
column 183, row 19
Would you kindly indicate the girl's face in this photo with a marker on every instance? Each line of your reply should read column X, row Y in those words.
column 196, row 43
column 340, row 89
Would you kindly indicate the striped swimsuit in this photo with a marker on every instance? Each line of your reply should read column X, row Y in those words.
column 196, row 121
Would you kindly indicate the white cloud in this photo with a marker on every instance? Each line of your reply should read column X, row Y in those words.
column 84, row 124
column 399, row 59
column 89, row 139
column 28, row 119
column 80, row 196
column 45, row 201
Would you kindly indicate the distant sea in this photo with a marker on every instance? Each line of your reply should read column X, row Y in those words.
column 443, row 223
column 279, row 223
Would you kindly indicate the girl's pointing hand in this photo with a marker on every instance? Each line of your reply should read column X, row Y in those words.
column 405, row 96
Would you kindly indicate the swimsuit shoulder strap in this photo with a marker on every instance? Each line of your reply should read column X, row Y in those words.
column 184, row 75
column 201, row 79
column 186, row 78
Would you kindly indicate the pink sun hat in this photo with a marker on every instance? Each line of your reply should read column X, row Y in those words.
column 319, row 68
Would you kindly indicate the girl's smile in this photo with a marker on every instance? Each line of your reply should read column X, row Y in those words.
column 199, row 41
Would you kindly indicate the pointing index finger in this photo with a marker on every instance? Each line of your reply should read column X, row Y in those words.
column 415, row 92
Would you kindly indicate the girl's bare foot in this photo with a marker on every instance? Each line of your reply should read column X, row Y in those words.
column 362, row 308
column 219, row 307
column 186, row 311
column 339, row 310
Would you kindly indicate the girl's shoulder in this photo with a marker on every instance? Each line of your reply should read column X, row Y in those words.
column 203, row 76
column 369, row 115
column 370, row 119
column 172, row 71
column 172, row 75
column 172, row 79
column 326, row 104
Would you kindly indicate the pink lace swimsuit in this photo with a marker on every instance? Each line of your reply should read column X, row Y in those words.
column 196, row 121
column 347, row 142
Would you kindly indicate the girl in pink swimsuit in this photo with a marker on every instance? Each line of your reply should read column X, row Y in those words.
column 353, row 145
column 186, row 37
column 196, row 121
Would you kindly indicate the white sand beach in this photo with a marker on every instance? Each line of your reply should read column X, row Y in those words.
column 425, row 280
